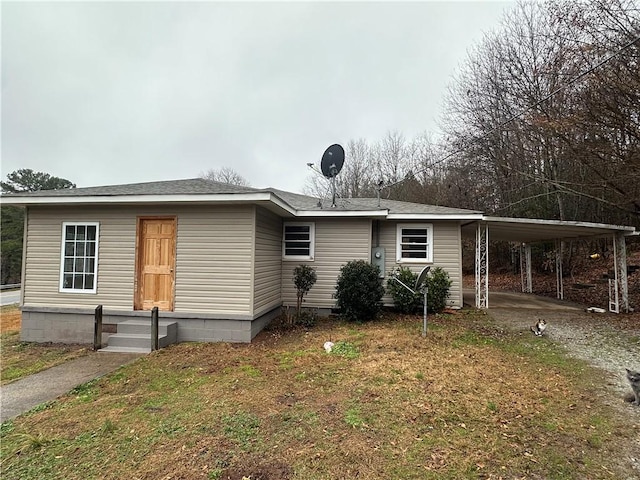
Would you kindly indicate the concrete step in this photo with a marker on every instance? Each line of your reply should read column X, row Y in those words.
column 136, row 340
column 113, row 349
column 135, row 336
column 165, row 327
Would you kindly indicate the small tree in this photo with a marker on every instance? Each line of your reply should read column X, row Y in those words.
column 359, row 291
column 304, row 277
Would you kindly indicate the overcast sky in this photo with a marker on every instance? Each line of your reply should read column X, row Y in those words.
column 109, row 93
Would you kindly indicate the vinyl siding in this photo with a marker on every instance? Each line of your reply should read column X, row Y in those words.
column 213, row 260
column 337, row 241
column 116, row 253
column 214, row 254
column 446, row 254
column 267, row 275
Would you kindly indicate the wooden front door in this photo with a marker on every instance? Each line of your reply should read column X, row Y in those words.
column 156, row 262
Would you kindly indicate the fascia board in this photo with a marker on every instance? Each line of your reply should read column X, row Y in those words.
column 559, row 223
column 434, row 216
column 342, row 213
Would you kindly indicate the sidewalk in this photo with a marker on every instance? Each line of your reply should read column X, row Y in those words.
column 22, row 395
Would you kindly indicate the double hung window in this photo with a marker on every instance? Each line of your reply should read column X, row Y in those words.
column 79, row 262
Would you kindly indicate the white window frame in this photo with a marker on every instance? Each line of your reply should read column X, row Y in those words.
column 312, row 240
column 62, row 288
column 429, row 247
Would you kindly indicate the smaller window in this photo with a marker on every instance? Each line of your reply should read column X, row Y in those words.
column 414, row 243
column 298, row 240
column 79, row 258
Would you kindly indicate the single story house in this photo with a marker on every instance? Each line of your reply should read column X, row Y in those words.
column 216, row 259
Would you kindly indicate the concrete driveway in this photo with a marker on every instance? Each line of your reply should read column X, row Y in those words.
column 522, row 301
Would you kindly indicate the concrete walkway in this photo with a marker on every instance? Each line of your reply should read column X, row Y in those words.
column 22, row 395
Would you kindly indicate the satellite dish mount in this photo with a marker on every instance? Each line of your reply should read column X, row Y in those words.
column 331, row 164
column 421, row 285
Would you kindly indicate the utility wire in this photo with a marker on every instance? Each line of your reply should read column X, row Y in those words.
column 526, row 110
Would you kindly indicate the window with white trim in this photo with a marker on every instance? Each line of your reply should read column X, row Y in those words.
column 298, row 241
column 414, row 243
column 79, row 257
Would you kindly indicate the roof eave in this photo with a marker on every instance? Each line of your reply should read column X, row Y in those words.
column 24, row 201
column 560, row 223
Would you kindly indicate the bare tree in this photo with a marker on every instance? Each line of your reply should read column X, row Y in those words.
column 225, row 175
column 545, row 115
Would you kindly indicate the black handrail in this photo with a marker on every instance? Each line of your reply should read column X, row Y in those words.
column 97, row 328
column 154, row 329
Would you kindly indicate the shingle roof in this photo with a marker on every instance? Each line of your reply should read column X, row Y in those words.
column 190, row 186
column 305, row 202
column 199, row 186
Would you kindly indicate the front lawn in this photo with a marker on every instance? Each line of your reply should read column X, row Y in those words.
column 469, row 401
column 19, row 359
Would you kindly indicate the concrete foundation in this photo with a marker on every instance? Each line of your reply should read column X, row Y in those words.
column 60, row 325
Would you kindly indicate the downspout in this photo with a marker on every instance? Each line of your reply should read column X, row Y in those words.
column 24, row 255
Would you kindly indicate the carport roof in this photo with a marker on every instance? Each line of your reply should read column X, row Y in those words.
column 529, row 230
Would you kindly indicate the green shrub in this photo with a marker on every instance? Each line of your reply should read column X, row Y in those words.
column 359, row 291
column 404, row 300
column 438, row 282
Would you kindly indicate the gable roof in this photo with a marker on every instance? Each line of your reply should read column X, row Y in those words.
column 198, row 191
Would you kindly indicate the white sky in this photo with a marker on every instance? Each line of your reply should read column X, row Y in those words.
column 109, row 93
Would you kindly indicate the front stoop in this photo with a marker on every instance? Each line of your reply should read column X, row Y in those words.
column 134, row 336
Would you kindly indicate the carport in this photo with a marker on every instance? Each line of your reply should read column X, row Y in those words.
column 526, row 231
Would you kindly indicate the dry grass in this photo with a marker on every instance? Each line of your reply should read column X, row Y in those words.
column 10, row 318
column 469, row 401
column 19, row 359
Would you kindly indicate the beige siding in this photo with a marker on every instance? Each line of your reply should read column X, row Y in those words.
column 337, row 241
column 115, row 258
column 213, row 260
column 213, row 257
column 267, row 276
column 446, row 254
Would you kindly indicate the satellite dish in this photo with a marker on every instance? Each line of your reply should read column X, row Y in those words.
column 332, row 160
column 422, row 277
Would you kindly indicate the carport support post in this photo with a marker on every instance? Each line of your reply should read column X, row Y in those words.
column 482, row 265
column 620, row 270
column 525, row 268
column 559, row 285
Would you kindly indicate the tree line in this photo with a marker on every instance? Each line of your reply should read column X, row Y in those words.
column 541, row 121
column 12, row 218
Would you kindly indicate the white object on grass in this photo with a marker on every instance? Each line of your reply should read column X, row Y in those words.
column 328, row 346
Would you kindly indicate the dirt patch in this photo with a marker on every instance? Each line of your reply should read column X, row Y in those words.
column 255, row 470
